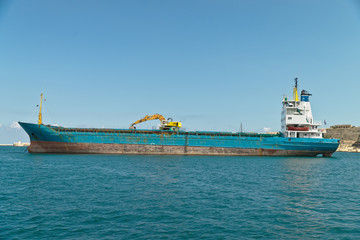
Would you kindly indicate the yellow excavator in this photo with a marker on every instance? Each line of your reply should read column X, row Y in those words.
column 165, row 124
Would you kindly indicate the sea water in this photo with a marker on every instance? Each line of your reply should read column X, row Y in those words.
column 45, row 196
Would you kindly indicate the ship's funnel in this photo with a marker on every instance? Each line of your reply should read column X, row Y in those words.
column 305, row 96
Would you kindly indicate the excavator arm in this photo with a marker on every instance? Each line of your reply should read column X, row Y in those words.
column 165, row 124
column 147, row 118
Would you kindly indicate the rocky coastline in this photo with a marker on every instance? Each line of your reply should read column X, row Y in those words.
column 349, row 137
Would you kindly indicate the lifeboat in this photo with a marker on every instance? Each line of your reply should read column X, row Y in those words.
column 298, row 128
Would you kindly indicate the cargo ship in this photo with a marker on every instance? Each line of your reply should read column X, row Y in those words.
column 299, row 136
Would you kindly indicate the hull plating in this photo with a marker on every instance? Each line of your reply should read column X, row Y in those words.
column 101, row 148
column 50, row 139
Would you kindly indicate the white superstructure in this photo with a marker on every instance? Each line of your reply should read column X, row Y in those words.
column 296, row 117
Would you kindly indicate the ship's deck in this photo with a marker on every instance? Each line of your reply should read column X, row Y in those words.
column 169, row 132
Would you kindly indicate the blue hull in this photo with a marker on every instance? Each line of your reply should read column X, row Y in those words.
column 52, row 139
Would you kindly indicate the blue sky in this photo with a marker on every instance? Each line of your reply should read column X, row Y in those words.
column 210, row 64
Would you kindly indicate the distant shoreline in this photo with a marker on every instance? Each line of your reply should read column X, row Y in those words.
column 16, row 144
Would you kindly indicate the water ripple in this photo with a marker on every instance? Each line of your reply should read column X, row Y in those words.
column 180, row 197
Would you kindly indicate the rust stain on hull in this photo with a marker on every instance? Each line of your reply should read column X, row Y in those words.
column 100, row 148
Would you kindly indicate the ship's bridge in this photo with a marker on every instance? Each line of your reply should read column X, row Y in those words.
column 296, row 117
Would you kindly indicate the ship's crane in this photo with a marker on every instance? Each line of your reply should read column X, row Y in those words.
column 165, row 124
column 40, row 114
